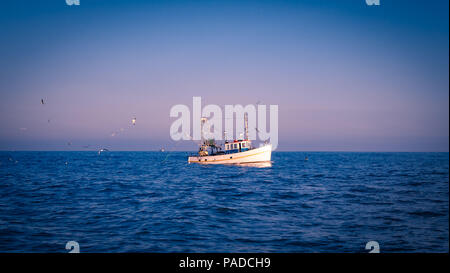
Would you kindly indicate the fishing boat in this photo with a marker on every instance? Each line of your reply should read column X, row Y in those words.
column 238, row 151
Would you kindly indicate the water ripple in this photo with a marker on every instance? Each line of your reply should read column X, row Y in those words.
column 151, row 202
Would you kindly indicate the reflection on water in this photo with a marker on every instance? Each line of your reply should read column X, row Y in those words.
column 256, row 164
column 253, row 164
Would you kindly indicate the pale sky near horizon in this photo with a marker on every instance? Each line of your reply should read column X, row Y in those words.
column 346, row 76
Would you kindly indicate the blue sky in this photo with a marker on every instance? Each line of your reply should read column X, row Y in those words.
column 346, row 76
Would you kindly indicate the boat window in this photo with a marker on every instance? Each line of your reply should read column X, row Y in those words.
column 235, row 146
column 243, row 144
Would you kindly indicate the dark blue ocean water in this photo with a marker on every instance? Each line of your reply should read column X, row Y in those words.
column 156, row 202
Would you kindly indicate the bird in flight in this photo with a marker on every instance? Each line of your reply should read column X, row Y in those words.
column 102, row 150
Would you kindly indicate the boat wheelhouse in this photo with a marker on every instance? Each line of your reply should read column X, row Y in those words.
column 237, row 146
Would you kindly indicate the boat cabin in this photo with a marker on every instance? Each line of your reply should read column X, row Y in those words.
column 237, row 146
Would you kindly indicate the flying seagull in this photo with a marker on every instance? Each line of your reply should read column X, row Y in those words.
column 102, row 150
column 133, row 121
column 42, row 101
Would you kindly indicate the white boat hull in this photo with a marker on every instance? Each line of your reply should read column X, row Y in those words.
column 261, row 154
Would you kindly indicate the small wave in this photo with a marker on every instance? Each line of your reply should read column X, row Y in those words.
column 426, row 213
column 286, row 195
column 225, row 210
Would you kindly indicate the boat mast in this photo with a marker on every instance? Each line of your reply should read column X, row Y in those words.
column 246, row 125
column 203, row 145
column 202, row 128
